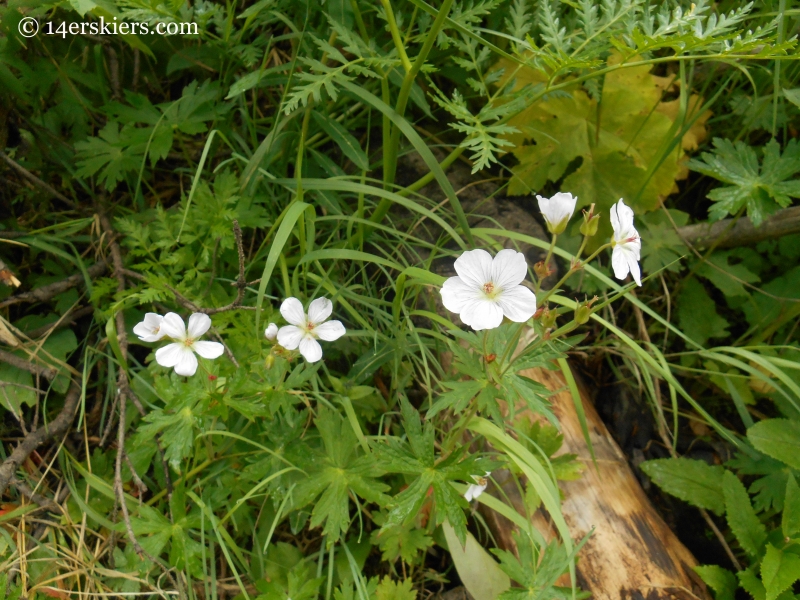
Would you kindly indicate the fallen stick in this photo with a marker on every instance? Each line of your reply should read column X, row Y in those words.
column 47, row 292
column 632, row 553
column 727, row 234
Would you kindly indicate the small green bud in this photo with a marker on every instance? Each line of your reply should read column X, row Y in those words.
column 583, row 311
column 590, row 223
column 548, row 318
column 270, row 360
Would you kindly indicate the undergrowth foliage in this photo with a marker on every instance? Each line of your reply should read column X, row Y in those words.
column 242, row 184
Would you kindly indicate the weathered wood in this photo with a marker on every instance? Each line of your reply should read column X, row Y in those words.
column 632, row 554
column 727, row 234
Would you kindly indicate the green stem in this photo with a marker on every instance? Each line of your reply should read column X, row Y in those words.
column 546, row 262
column 575, row 266
column 390, row 160
column 396, row 37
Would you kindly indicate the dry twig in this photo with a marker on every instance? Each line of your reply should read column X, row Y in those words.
column 47, row 292
column 35, row 180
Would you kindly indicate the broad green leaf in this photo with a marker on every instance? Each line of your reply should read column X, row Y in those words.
column 779, row 570
column 697, row 313
column 619, row 142
column 742, row 519
column 790, row 521
column 722, row 581
column 693, row 481
column 778, row 438
column 479, row 572
column 16, row 388
column 792, row 96
column 761, row 190
column 346, row 142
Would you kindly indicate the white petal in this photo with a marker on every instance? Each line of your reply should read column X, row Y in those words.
column 633, row 264
column 625, row 215
column 557, row 210
column 482, row 314
column 171, row 354
column 319, row 310
column 310, row 349
column 271, row 332
column 173, row 326
column 292, row 311
column 618, row 262
column 208, row 349
column 509, row 268
column 474, row 267
column 473, row 491
column 199, row 323
column 455, row 293
column 330, row 331
column 188, row 364
column 149, row 330
column 518, row 303
column 289, row 336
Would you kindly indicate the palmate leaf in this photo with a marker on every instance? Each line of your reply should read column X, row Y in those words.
column 759, row 190
column 613, row 148
column 335, row 472
column 418, row 457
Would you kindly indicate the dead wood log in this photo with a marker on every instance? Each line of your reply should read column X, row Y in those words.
column 632, row 553
column 727, row 234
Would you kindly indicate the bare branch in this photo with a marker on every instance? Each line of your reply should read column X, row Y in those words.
column 33, row 440
column 729, row 233
column 15, row 361
column 35, row 180
column 47, row 292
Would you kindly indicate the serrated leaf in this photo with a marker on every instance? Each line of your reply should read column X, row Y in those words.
column 761, row 190
column 389, row 589
column 779, row 570
column 742, row 519
column 722, row 581
column 693, row 481
column 778, row 438
column 790, row 520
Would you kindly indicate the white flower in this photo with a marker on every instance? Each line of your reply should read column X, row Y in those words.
column 557, row 211
column 149, row 330
column 477, row 488
column 271, row 332
column 486, row 289
column 180, row 354
column 626, row 243
column 304, row 331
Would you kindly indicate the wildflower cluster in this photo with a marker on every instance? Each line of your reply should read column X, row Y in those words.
column 302, row 333
column 487, row 289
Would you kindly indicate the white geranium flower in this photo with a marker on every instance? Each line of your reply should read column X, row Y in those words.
column 149, row 330
column 304, row 331
column 625, row 242
column 557, row 211
column 487, row 289
column 477, row 488
column 181, row 353
column 271, row 332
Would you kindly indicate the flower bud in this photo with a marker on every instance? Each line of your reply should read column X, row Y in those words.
column 270, row 360
column 548, row 318
column 541, row 270
column 590, row 222
column 557, row 211
column 583, row 311
column 271, row 332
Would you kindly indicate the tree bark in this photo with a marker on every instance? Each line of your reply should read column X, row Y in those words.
column 632, row 554
column 726, row 234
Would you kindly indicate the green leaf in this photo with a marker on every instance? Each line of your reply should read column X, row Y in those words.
column 779, row 570
column 697, row 313
column 335, row 473
column 792, row 96
column 790, row 521
column 479, row 572
column 742, row 519
column 752, row 584
column 395, row 590
column 346, row 142
column 778, row 438
column 16, row 388
column 722, row 581
column 760, row 190
column 693, row 481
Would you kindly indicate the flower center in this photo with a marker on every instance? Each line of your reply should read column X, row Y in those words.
column 490, row 290
column 188, row 342
column 310, row 326
column 156, row 330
